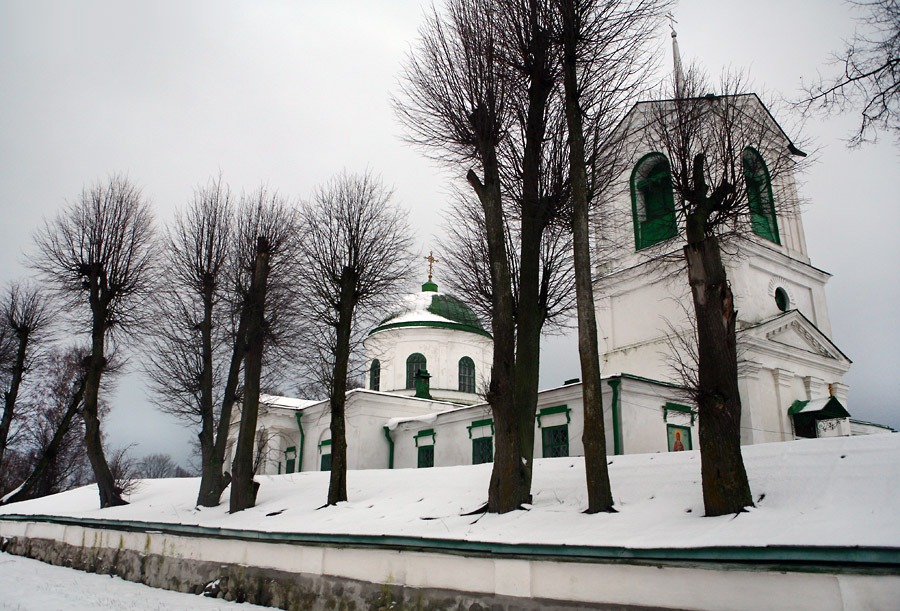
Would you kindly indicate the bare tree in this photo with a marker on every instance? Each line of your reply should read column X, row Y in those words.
column 869, row 74
column 196, row 355
column 156, row 466
column 468, row 267
column 605, row 62
column 480, row 95
column 53, row 434
column 267, row 238
column 355, row 257
column 726, row 154
column 24, row 320
column 97, row 255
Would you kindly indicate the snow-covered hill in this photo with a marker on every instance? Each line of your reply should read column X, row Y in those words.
column 822, row 492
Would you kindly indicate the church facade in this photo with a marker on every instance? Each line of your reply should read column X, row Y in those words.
column 428, row 360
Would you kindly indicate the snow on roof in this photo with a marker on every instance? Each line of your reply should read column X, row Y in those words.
column 288, row 402
column 840, row 491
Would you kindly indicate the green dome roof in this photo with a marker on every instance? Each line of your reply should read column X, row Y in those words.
column 430, row 308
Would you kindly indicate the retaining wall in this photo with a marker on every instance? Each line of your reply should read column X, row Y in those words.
column 305, row 571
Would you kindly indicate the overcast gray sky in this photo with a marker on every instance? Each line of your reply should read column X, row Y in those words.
column 289, row 93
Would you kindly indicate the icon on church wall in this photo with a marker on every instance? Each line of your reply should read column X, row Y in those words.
column 679, row 438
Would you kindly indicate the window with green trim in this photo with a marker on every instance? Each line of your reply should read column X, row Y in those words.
column 652, row 201
column 466, row 375
column 426, row 457
column 375, row 375
column 759, row 196
column 414, row 363
column 482, row 450
column 555, row 440
column 290, row 459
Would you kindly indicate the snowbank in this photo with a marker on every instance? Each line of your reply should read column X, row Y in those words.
column 832, row 492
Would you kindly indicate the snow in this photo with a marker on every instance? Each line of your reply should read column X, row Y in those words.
column 835, row 492
column 414, row 308
column 30, row 585
column 287, row 402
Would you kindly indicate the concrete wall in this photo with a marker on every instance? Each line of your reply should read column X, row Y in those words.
column 304, row 576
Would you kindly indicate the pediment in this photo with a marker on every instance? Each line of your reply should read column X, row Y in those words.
column 795, row 331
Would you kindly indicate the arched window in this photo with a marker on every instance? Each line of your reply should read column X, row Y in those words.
column 466, row 375
column 759, row 194
column 414, row 363
column 653, row 204
column 375, row 375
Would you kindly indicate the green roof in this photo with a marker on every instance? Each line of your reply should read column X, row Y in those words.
column 432, row 309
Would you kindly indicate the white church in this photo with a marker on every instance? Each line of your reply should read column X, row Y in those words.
column 427, row 361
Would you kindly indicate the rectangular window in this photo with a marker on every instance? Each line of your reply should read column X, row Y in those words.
column 290, row 459
column 556, row 441
column 482, row 450
column 426, row 457
column 679, row 438
column 326, row 462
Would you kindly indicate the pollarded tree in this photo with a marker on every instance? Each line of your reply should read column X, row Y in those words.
column 869, row 73
column 724, row 157
column 97, row 255
column 479, row 95
column 24, row 321
column 455, row 105
column 266, row 243
column 605, row 62
column 354, row 259
column 196, row 354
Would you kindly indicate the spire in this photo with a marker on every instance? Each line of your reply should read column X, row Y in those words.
column 676, row 56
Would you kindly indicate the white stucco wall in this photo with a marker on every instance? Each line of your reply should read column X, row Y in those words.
column 442, row 348
column 657, row 585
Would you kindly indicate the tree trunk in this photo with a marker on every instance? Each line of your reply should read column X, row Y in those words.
column 215, row 479
column 24, row 492
column 12, row 393
column 110, row 493
column 207, row 416
column 531, row 309
column 337, row 486
column 725, row 486
column 594, row 438
column 243, row 488
column 504, row 489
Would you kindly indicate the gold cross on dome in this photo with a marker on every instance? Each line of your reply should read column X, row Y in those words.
column 431, row 261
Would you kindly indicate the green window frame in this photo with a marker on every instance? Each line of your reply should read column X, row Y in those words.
column 375, row 375
column 555, row 441
column 325, row 461
column 652, row 201
column 679, row 438
column 425, row 457
column 482, row 450
column 414, row 363
column 290, row 459
column 466, row 375
column 759, row 196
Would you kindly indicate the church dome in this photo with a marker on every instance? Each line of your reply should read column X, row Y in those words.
column 430, row 308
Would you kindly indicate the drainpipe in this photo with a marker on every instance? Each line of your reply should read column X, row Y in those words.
column 390, row 440
column 302, row 437
column 616, row 415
